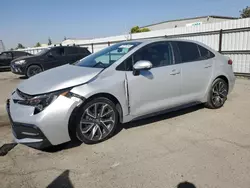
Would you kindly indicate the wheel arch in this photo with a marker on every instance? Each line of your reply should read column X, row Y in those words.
column 72, row 122
column 110, row 97
column 208, row 102
column 34, row 64
column 223, row 77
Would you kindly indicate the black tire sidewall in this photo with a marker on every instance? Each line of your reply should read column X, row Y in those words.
column 83, row 108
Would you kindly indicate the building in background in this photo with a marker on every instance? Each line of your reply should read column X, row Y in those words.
column 186, row 22
column 44, row 45
column 228, row 35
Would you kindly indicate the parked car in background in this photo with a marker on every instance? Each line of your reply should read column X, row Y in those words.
column 47, row 59
column 124, row 82
column 7, row 56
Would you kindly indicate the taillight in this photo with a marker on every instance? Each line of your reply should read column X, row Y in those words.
column 230, row 62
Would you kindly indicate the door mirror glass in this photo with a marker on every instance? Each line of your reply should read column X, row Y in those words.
column 50, row 55
column 142, row 65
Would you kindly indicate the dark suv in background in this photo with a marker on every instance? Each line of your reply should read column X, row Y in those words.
column 7, row 56
column 47, row 59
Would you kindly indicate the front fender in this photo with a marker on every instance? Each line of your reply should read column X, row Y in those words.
column 113, row 84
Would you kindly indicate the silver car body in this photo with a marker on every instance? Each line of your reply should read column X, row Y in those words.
column 152, row 91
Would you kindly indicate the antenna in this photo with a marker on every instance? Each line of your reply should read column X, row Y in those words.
column 2, row 48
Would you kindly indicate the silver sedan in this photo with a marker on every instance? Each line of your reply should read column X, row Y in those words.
column 127, row 81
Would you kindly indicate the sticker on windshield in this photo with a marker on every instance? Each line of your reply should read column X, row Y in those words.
column 126, row 46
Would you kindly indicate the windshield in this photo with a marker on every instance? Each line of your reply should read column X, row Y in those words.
column 107, row 56
column 42, row 52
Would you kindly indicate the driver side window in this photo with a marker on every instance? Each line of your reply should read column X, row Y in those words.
column 57, row 52
column 159, row 54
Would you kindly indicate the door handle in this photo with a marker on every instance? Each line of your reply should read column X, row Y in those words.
column 174, row 72
column 208, row 65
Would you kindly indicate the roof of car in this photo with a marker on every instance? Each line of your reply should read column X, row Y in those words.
column 148, row 41
column 159, row 39
column 67, row 46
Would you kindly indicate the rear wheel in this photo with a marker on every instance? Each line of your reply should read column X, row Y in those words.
column 97, row 121
column 33, row 70
column 218, row 94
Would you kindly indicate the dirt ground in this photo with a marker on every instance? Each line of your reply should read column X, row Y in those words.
column 208, row 148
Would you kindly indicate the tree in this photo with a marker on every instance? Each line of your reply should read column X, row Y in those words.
column 245, row 13
column 49, row 41
column 11, row 49
column 20, row 46
column 65, row 38
column 137, row 29
column 145, row 29
column 38, row 44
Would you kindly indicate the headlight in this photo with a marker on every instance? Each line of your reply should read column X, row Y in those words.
column 20, row 62
column 42, row 101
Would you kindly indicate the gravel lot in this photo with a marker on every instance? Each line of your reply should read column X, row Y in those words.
column 208, row 148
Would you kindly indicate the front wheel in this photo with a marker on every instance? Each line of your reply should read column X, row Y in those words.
column 217, row 94
column 33, row 70
column 97, row 121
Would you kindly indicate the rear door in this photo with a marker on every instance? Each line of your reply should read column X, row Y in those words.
column 196, row 67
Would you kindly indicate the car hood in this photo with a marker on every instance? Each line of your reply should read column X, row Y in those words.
column 25, row 58
column 58, row 78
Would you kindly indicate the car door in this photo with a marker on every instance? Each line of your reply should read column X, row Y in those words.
column 55, row 57
column 158, row 88
column 196, row 70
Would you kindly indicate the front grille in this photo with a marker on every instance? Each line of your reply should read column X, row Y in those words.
column 23, row 95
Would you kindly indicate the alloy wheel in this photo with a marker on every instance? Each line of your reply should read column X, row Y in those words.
column 219, row 93
column 97, row 121
column 33, row 70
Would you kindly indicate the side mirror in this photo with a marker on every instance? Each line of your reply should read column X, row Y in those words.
column 141, row 65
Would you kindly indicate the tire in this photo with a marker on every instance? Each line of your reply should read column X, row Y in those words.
column 217, row 94
column 96, row 121
column 33, row 70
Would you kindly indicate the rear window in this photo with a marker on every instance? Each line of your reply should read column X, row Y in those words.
column 188, row 51
column 205, row 53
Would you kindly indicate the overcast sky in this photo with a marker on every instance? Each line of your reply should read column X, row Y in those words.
column 30, row 21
